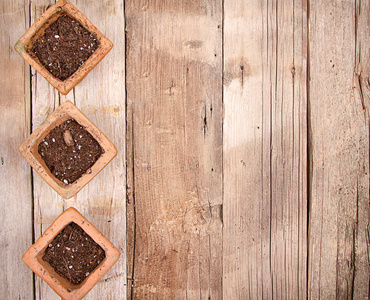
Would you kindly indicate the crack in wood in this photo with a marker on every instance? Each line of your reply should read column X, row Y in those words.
column 205, row 121
column 242, row 73
column 131, row 286
column 114, row 277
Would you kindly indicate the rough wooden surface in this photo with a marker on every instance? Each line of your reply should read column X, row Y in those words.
column 339, row 145
column 103, row 200
column 175, row 153
column 265, row 159
column 16, row 281
column 246, row 146
column 48, row 205
column 101, row 97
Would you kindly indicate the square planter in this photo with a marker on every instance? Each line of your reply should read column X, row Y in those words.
column 25, row 44
column 30, row 149
column 62, row 286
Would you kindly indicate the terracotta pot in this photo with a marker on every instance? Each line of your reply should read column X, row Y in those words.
column 29, row 149
column 65, row 289
column 25, row 44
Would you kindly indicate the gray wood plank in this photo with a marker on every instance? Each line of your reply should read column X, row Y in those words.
column 265, row 152
column 16, row 280
column 48, row 205
column 339, row 143
column 101, row 97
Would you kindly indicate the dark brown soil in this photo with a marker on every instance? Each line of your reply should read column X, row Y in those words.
column 69, row 162
column 73, row 254
column 64, row 47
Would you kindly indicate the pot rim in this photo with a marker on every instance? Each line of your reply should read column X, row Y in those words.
column 65, row 289
column 29, row 149
column 24, row 44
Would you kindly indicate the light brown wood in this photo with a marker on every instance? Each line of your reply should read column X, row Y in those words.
column 254, row 189
column 339, row 146
column 265, row 157
column 101, row 97
column 175, row 153
column 15, row 173
column 48, row 205
column 102, row 201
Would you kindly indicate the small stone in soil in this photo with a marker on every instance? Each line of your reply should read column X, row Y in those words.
column 87, row 254
column 68, row 139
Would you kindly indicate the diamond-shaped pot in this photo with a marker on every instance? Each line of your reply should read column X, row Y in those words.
column 29, row 149
column 25, row 43
column 64, row 288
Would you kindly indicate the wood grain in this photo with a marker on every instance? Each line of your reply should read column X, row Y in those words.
column 256, row 188
column 15, row 173
column 265, row 152
column 48, row 205
column 101, row 97
column 174, row 74
column 339, row 212
column 102, row 201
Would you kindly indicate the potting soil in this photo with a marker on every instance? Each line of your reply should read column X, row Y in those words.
column 69, row 162
column 73, row 254
column 64, row 47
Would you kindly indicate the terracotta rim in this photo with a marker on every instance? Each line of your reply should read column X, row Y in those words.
column 25, row 43
column 29, row 149
column 33, row 257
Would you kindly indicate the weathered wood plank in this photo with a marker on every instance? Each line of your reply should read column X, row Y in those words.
column 362, row 95
column 265, row 152
column 101, row 96
column 15, row 173
column 339, row 212
column 174, row 76
column 47, row 203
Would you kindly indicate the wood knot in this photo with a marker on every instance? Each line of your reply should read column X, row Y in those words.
column 68, row 139
column 293, row 71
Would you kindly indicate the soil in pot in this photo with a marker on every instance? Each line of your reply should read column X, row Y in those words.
column 69, row 151
column 64, row 47
column 73, row 254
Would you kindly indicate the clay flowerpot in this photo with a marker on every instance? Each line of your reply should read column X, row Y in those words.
column 25, row 45
column 33, row 258
column 30, row 149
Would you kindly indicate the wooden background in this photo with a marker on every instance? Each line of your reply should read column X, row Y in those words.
column 243, row 136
